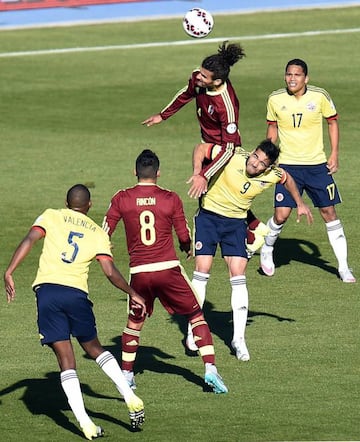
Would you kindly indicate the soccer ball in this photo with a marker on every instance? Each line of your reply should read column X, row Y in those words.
column 198, row 23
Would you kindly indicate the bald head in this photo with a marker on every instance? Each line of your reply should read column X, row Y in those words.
column 78, row 198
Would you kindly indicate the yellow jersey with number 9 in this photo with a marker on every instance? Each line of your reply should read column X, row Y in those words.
column 231, row 192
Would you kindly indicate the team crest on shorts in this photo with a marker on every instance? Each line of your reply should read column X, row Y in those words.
column 279, row 197
column 198, row 245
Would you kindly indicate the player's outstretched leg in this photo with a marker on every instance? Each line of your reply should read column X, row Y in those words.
column 136, row 412
column 213, row 379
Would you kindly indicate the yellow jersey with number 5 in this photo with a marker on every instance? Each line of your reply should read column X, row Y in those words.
column 72, row 241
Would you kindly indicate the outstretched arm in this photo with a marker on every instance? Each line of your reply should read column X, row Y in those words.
column 302, row 208
column 198, row 182
column 117, row 279
column 19, row 255
column 154, row 119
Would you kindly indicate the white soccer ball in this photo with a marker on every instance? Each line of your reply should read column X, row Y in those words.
column 198, row 23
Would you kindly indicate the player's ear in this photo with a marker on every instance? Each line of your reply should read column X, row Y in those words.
column 306, row 79
column 217, row 82
column 134, row 172
column 90, row 204
column 158, row 173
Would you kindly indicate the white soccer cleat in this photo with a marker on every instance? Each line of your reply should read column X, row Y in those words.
column 130, row 378
column 241, row 351
column 190, row 343
column 347, row 276
column 266, row 260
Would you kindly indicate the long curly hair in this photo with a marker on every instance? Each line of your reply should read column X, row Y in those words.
column 219, row 64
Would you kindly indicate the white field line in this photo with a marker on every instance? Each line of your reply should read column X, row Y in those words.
column 178, row 43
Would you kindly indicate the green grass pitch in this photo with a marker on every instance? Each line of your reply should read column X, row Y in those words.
column 69, row 117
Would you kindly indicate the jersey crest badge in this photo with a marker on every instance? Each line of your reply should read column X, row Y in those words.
column 210, row 109
column 311, row 106
column 231, row 128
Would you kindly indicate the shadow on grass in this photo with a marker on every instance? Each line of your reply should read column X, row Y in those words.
column 306, row 252
column 45, row 396
column 221, row 323
column 157, row 361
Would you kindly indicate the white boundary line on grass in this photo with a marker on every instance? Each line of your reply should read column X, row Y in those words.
column 177, row 43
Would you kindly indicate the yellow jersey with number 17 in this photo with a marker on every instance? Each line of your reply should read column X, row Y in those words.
column 72, row 241
column 231, row 192
column 300, row 124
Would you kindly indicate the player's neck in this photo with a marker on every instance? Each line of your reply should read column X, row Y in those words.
column 148, row 181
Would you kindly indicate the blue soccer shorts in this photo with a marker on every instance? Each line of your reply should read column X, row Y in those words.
column 315, row 181
column 64, row 311
column 211, row 230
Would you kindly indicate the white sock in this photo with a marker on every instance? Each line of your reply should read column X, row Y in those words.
column 71, row 386
column 275, row 230
column 239, row 305
column 111, row 368
column 199, row 283
column 338, row 242
column 210, row 368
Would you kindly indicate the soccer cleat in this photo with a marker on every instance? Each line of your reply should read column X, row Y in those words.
column 259, row 237
column 190, row 343
column 130, row 378
column 266, row 260
column 262, row 229
column 216, row 383
column 241, row 351
column 92, row 431
column 346, row 276
column 258, row 242
column 136, row 412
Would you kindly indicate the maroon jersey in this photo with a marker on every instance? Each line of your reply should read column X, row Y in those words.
column 218, row 115
column 149, row 213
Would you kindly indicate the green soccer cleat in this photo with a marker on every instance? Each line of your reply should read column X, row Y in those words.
column 136, row 412
column 92, row 431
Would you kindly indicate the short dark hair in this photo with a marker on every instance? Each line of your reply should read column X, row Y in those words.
column 147, row 164
column 270, row 150
column 298, row 62
column 219, row 64
column 78, row 196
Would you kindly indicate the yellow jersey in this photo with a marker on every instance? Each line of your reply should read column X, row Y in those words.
column 300, row 124
column 72, row 241
column 231, row 192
